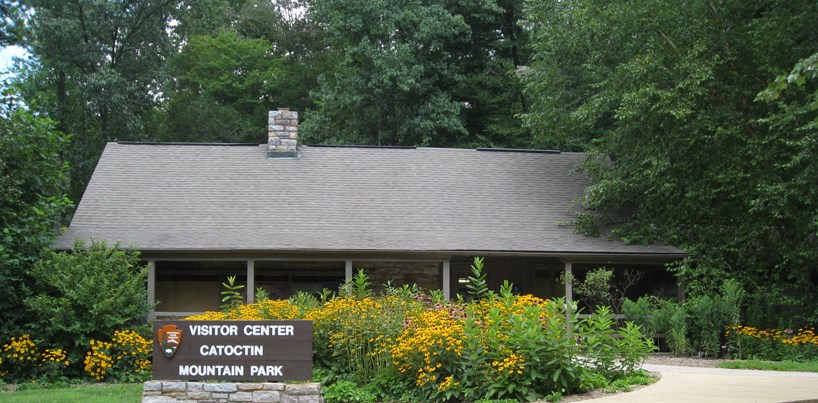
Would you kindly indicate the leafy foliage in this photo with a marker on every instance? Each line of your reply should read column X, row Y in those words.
column 224, row 86
column 393, row 84
column 347, row 392
column 698, row 324
column 11, row 23
column 477, row 286
column 422, row 73
column 32, row 186
column 609, row 355
column 600, row 287
column 98, row 71
column 710, row 315
column 231, row 294
column 626, row 383
column 662, row 98
column 86, row 295
column 402, row 346
column 655, row 316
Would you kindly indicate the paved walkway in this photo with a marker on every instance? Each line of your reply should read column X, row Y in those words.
column 688, row 384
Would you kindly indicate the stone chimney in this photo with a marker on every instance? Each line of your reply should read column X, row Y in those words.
column 282, row 134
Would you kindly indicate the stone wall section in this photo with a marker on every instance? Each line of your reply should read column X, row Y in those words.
column 210, row 392
column 428, row 275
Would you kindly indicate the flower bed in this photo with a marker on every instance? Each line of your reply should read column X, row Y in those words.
column 774, row 344
column 407, row 345
column 125, row 358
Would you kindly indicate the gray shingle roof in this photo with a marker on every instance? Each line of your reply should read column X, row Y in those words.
column 223, row 198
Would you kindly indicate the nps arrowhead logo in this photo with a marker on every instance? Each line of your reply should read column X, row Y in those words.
column 169, row 338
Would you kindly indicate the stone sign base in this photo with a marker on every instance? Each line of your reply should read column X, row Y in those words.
column 267, row 392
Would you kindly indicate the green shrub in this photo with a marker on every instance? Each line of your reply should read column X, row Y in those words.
column 477, row 286
column 389, row 387
column 609, row 353
column 231, row 294
column 675, row 327
column 710, row 315
column 33, row 181
column 595, row 289
column 592, row 380
column 642, row 313
column 656, row 316
column 598, row 342
column 87, row 294
column 632, row 347
column 707, row 321
column 626, row 383
column 357, row 286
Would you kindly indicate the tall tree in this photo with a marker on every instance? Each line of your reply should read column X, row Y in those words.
column 99, row 70
column 223, row 87
column 662, row 95
column 33, row 181
column 240, row 58
column 422, row 72
column 491, row 90
column 395, row 82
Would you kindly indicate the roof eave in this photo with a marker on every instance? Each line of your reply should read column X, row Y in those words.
column 567, row 256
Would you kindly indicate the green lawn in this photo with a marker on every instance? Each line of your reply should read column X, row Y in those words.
column 809, row 366
column 80, row 393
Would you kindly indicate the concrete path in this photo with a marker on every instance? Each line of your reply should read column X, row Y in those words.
column 688, row 384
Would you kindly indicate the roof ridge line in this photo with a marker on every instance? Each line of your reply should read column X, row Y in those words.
column 177, row 143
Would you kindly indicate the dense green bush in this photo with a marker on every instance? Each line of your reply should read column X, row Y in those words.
column 657, row 316
column 711, row 315
column 611, row 354
column 85, row 295
column 698, row 324
column 642, row 313
column 673, row 318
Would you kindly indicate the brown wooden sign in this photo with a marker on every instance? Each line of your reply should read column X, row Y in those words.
column 232, row 350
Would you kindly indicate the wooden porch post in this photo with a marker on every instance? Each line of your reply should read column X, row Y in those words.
column 151, row 290
column 251, row 281
column 569, row 291
column 447, row 280
column 348, row 270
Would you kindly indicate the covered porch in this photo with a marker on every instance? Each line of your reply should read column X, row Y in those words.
column 180, row 285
